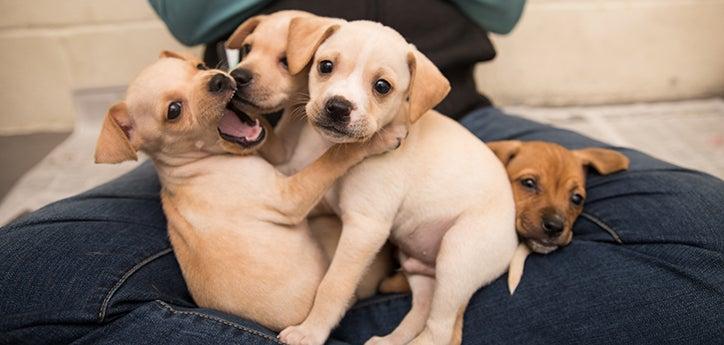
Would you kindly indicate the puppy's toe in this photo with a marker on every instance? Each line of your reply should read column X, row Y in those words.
column 424, row 338
column 378, row 341
column 301, row 335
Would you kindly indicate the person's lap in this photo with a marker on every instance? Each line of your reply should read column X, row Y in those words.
column 645, row 266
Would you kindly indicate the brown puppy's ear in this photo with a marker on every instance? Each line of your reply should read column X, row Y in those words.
column 113, row 144
column 603, row 160
column 505, row 149
column 245, row 29
column 305, row 36
column 177, row 55
column 428, row 87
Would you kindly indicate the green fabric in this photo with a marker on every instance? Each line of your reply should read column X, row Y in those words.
column 201, row 21
column 499, row 16
column 194, row 22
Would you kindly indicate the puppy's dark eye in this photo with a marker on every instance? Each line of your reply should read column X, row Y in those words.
column 283, row 61
column 577, row 199
column 244, row 51
column 201, row 67
column 529, row 183
column 382, row 86
column 325, row 67
column 174, row 110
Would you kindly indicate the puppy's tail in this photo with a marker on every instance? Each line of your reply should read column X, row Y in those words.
column 517, row 263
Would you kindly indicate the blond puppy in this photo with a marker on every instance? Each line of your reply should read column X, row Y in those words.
column 443, row 198
column 237, row 226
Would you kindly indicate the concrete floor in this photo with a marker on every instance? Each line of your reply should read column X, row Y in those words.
column 688, row 133
column 21, row 152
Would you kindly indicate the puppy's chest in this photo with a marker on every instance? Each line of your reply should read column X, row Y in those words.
column 220, row 200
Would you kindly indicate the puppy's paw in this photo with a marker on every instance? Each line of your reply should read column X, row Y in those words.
column 424, row 338
column 389, row 138
column 302, row 335
column 379, row 341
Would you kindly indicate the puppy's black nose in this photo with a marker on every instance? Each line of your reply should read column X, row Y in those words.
column 338, row 109
column 242, row 76
column 219, row 83
column 553, row 225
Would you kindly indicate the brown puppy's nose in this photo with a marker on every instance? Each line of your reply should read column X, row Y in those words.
column 219, row 83
column 242, row 76
column 338, row 109
column 553, row 225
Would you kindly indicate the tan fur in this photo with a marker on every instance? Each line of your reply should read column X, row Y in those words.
column 396, row 283
column 272, row 86
column 237, row 225
column 442, row 198
column 309, row 32
column 112, row 145
column 428, row 86
column 267, row 36
column 558, row 173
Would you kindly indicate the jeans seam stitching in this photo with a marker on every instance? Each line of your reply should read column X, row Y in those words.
column 225, row 322
column 124, row 278
column 601, row 224
column 71, row 220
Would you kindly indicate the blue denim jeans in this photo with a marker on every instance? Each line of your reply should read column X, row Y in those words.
column 645, row 267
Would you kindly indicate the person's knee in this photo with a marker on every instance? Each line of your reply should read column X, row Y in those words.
column 72, row 255
column 665, row 204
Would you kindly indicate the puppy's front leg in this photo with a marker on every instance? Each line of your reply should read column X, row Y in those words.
column 362, row 237
column 299, row 193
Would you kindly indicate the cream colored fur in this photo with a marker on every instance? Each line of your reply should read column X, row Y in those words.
column 273, row 88
column 443, row 197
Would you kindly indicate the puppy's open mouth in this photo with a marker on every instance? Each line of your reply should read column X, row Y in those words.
column 237, row 127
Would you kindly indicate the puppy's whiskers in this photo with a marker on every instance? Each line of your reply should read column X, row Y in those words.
column 298, row 101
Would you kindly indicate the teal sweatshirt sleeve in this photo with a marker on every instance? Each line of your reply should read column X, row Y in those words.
column 194, row 22
column 499, row 16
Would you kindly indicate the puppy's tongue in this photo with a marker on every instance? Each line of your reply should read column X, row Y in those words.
column 230, row 124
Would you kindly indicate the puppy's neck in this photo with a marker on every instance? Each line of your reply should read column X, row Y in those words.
column 176, row 170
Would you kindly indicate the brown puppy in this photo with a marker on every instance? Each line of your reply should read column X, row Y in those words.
column 549, row 184
column 237, row 225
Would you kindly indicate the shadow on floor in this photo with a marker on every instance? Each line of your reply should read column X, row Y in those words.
column 22, row 152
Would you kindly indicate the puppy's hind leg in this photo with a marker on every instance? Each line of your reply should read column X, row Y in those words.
column 422, row 289
column 474, row 252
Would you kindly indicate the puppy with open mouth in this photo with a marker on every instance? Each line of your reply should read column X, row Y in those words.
column 237, row 225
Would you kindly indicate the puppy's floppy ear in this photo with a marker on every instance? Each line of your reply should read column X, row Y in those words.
column 305, row 36
column 505, row 149
column 113, row 144
column 428, row 87
column 245, row 29
column 605, row 161
column 176, row 55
